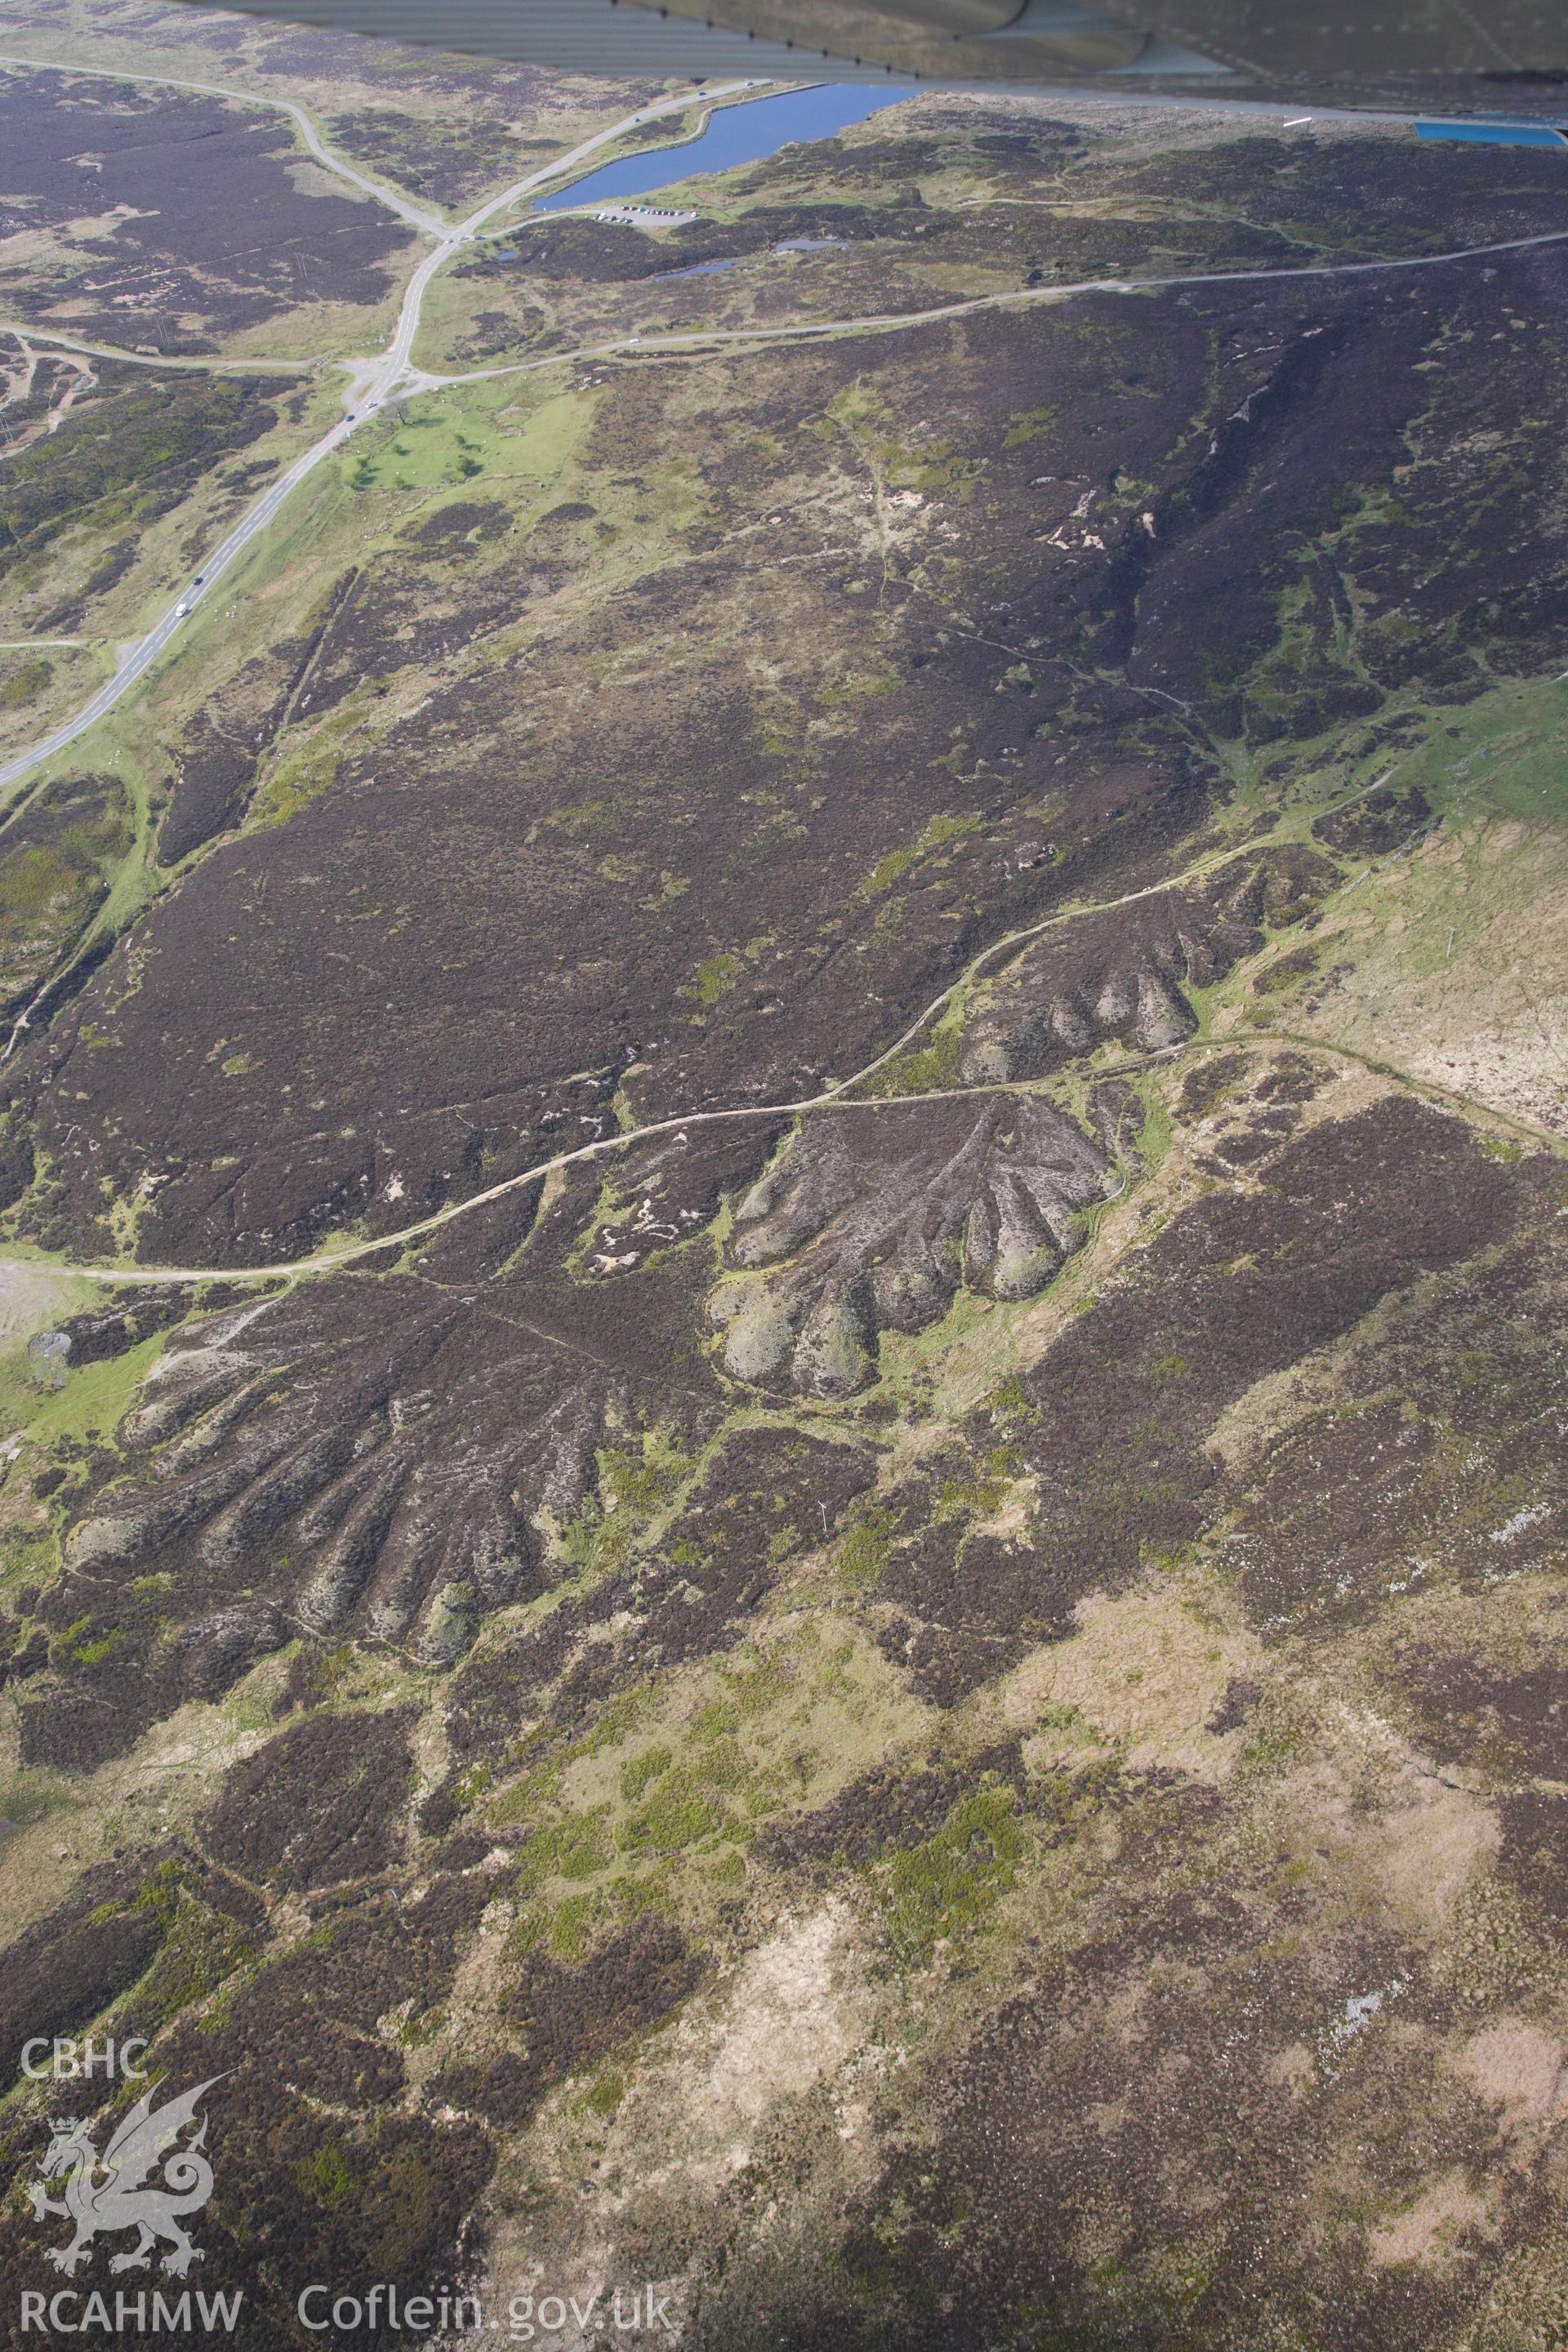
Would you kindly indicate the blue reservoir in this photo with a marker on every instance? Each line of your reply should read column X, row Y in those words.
column 743, row 133
column 1496, row 134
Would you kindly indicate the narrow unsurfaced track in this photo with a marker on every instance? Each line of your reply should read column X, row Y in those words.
column 700, row 340
column 838, row 1095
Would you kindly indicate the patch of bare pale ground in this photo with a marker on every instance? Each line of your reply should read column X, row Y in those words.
column 33, row 1297
column 1371, row 1827
column 1519, row 2068
column 1430, row 2231
column 1142, row 1676
column 1427, row 1849
column 792, row 2017
column 1453, row 967
column 793, row 2022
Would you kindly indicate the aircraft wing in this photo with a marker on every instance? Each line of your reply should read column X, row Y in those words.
column 1510, row 57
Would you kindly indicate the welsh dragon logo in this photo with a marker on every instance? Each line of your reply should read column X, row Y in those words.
column 106, row 2194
